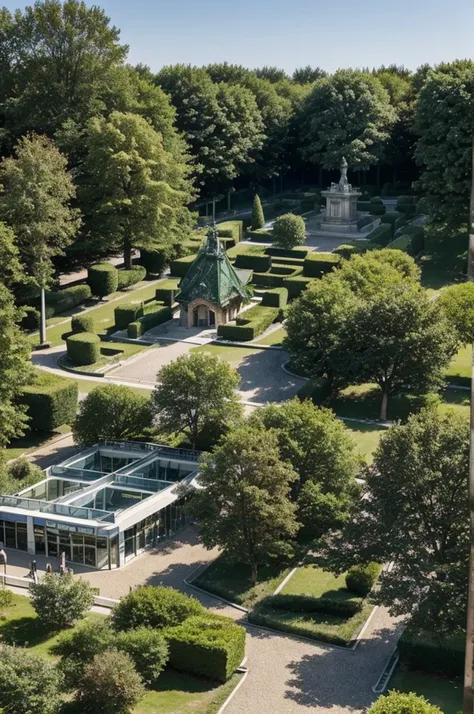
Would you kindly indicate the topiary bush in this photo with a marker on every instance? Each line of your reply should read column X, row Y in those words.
column 83, row 348
column 382, row 235
column 82, row 323
column 147, row 322
column 50, row 402
column 401, row 703
column 258, row 219
column 155, row 261
column 110, row 685
column 289, row 231
column 259, row 263
column 345, row 251
column 125, row 314
column 152, row 606
column 360, row 579
column 406, row 205
column 102, row 279
column 127, row 278
column 67, row 298
column 208, row 645
column 148, row 650
column 377, row 207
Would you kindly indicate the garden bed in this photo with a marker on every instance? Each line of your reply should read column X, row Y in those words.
column 440, row 691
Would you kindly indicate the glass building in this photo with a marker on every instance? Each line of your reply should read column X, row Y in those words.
column 102, row 507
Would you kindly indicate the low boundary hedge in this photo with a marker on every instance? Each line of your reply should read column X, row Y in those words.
column 147, row 322
column 231, row 229
column 262, row 235
column 66, row 299
column 102, row 279
column 298, row 253
column 316, row 264
column 50, row 402
column 126, row 278
column 306, row 603
column 250, row 324
column 296, row 285
column 180, row 266
column 258, row 263
column 419, row 651
column 166, row 292
column 125, row 314
column 276, row 297
column 83, row 348
column 208, row 645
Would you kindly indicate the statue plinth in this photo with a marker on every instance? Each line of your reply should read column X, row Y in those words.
column 341, row 204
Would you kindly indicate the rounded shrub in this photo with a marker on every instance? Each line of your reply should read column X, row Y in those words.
column 401, row 703
column 289, row 231
column 377, row 207
column 28, row 683
column 155, row 261
column 59, row 600
column 83, row 348
column 110, row 684
column 126, row 278
column 147, row 649
column 82, row 323
column 102, row 279
column 157, row 607
column 361, row 578
column 406, row 205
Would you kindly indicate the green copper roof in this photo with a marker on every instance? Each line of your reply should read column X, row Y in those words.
column 211, row 276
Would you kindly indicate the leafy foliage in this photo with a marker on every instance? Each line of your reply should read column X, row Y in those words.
column 28, row 684
column 110, row 684
column 400, row 703
column 289, row 231
column 457, row 303
column 61, row 600
column 258, row 219
column 157, row 607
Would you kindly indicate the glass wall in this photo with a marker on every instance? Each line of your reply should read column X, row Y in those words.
column 13, row 534
column 89, row 550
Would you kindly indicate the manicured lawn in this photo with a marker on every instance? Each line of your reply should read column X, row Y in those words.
column 233, row 355
column 366, row 436
column 126, row 350
column 274, row 338
column 459, row 371
column 177, row 693
column 317, row 626
column 310, row 580
column 32, row 440
column 456, row 399
column 232, row 581
column 103, row 314
column 443, row 692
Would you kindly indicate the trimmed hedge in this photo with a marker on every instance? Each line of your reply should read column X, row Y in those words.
column 287, row 262
column 50, row 402
column 67, row 298
column 345, row 251
column 316, row 264
column 382, row 235
column 82, row 323
column 364, row 206
column 299, row 253
column 83, row 348
column 406, row 205
column 400, row 222
column 403, row 242
column 419, row 651
column 364, row 221
column 231, row 229
column 316, row 389
column 276, row 297
column 154, row 261
column 125, row 314
column 258, row 263
column 360, row 579
column 307, row 603
column 103, row 279
column 266, row 616
column 166, row 295
column 235, row 333
column 377, row 207
column 295, row 285
column 263, row 235
column 126, row 278
column 207, row 645
column 250, row 324
column 180, row 266
column 154, row 606
column 147, row 322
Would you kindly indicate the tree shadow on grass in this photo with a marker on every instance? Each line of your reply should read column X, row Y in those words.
column 263, row 380
column 24, row 632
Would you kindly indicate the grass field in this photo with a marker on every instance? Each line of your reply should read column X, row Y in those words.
column 366, row 436
column 103, row 313
column 444, row 693
column 31, row 441
column 126, row 350
column 274, row 338
column 310, row 580
column 459, row 371
column 232, row 355
column 177, row 693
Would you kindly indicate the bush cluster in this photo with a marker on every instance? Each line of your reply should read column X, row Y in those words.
column 28, row 683
column 401, row 703
column 61, row 600
column 102, row 279
column 360, row 579
column 156, row 607
column 50, row 402
column 127, row 278
column 83, row 348
column 152, row 319
column 316, row 264
column 345, row 250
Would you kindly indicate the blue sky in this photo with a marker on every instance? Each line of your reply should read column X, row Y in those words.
column 292, row 33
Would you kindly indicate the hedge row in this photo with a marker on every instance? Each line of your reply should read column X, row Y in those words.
column 419, row 651
column 403, row 242
column 208, row 645
column 316, row 264
column 231, row 229
column 102, row 279
column 166, row 292
column 258, row 263
column 308, row 603
column 364, row 221
column 268, row 617
column 298, row 253
column 83, row 348
column 180, row 266
column 126, row 278
column 276, row 297
column 50, row 402
column 125, row 314
column 262, row 235
column 295, row 285
column 250, row 324
column 147, row 322
column 288, row 262
column 68, row 298
column 382, row 235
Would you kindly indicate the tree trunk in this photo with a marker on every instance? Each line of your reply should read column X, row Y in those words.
column 127, row 255
column 43, row 318
column 383, row 410
column 254, row 573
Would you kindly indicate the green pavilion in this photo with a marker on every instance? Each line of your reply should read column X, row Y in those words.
column 212, row 291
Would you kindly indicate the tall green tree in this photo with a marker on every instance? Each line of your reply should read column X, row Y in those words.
column 445, row 123
column 243, row 505
column 457, row 304
column 414, row 511
column 195, row 396
column 56, row 58
column 37, row 191
column 258, row 219
column 134, row 191
column 308, row 74
column 348, row 114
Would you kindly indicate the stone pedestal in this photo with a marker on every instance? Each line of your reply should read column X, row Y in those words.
column 341, row 205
